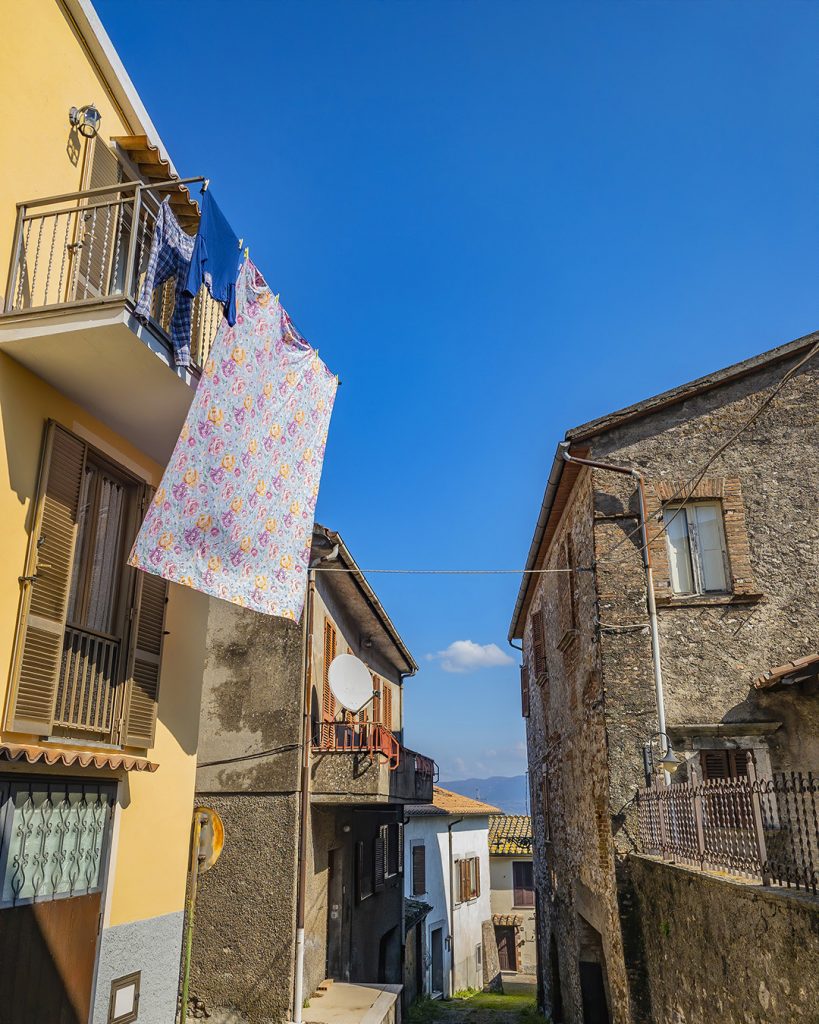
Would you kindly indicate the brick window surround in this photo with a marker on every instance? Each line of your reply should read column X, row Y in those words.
column 728, row 491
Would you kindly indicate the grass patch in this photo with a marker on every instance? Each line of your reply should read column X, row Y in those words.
column 514, row 1007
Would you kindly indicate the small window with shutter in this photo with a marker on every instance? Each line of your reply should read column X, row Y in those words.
column 328, row 702
column 90, row 630
column 377, row 689
column 419, row 870
column 724, row 764
column 540, row 669
column 380, row 858
column 524, row 690
column 523, row 883
column 386, row 690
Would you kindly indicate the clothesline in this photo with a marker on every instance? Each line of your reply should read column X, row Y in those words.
column 447, row 572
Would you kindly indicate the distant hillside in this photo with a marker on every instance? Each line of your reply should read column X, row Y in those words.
column 509, row 794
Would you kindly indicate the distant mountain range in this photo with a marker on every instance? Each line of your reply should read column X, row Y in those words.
column 510, row 794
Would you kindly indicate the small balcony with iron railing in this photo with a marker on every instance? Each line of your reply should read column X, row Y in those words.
column 77, row 267
column 364, row 762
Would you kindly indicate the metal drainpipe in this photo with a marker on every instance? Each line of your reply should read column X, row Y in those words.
column 449, row 828
column 652, row 605
column 304, row 796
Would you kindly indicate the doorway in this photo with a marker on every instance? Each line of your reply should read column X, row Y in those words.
column 436, row 942
column 507, row 947
column 335, row 914
column 593, row 981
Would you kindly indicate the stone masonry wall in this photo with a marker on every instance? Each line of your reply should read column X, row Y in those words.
column 567, row 747
column 717, row 950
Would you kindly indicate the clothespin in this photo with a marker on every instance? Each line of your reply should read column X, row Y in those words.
column 240, row 242
column 205, row 184
column 247, row 252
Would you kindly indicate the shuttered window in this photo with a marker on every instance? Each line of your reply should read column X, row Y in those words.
column 387, row 691
column 379, row 858
column 468, row 879
column 328, row 701
column 98, row 229
column 524, row 690
column 89, row 636
column 697, row 553
column 724, row 764
column 419, row 870
column 523, row 883
column 539, row 667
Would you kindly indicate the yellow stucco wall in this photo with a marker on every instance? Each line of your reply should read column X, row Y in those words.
column 151, row 853
column 45, row 70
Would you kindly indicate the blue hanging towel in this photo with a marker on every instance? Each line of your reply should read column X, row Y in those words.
column 216, row 258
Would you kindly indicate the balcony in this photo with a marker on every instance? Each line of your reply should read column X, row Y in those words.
column 365, row 764
column 77, row 266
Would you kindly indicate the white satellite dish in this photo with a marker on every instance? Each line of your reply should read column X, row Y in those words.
column 350, row 681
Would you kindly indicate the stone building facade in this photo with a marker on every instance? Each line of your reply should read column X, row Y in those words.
column 249, row 771
column 587, row 675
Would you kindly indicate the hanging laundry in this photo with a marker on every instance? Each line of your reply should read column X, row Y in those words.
column 233, row 515
column 170, row 256
column 216, row 258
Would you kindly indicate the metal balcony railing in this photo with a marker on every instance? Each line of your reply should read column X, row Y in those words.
column 88, row 689
column 91, row 247
column 762, row 828
column 357, row 738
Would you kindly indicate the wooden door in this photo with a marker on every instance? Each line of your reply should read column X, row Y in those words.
column 507, row 950
column 47, row 955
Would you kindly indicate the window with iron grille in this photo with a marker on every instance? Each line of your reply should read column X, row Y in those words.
column 54, row 838
column 523, row 883
column 697, row 553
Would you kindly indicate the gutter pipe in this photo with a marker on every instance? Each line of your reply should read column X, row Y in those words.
column 449, row 828
column 650, row 600
column 304, row 795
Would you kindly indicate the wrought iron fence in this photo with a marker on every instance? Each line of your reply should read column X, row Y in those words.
column 761, row 828
column 93, row 246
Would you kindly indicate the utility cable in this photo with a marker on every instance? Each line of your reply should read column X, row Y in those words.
column 249, row 757
column 447, row 572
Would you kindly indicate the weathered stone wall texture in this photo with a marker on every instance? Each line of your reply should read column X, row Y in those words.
column 723, row 951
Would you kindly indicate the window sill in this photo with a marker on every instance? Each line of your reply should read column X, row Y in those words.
column 567, row 639
column 706, row 601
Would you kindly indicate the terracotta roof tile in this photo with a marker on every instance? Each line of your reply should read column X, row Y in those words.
column 444, row 801
column 510, row 833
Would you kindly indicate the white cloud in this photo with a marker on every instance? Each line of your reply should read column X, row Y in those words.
column 467, row 656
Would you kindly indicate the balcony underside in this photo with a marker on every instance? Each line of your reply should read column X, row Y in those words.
column 99, row 356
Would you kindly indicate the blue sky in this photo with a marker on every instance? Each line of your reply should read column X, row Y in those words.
column 495, row 221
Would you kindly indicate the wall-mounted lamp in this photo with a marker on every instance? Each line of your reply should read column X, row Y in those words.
column 345, row 828
column 86, row 120
column 669, row 761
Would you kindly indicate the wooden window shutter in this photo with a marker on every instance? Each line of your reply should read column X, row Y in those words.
column 400, row 830
column 538, row 644
column 40, row 635
column 724, row 764
column 328, row 701
column 524, row 690
column 379, row 858
column 145, row 660
column 419, row 870
column 387, row 689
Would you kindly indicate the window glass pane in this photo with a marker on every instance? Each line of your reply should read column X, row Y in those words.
column 679, row 550
column 106, row 559
column 711, row 545
column 56, row 841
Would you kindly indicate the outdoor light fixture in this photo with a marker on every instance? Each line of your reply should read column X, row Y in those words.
column 669, row 762
column 86, row 120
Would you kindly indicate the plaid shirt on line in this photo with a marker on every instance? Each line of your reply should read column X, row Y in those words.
column 170, row 256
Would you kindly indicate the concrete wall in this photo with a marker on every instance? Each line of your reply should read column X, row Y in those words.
column 722, row 950
column 243, row 943
column 503, row 902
